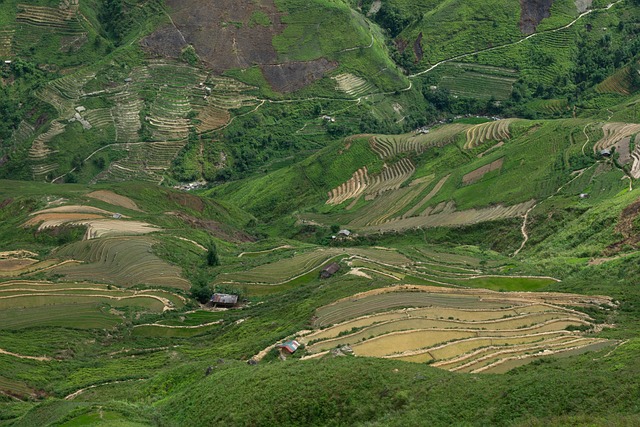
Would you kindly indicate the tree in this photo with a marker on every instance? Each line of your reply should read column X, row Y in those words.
column 212, row 255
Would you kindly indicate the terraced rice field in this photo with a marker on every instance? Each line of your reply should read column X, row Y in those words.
column 549, row 106
column 114, row 199
column 124, row 261
column 391, row 145
column 478, row 81
column 62, row 19
column 6, row 41
column 497, row 130
column 392, row 204
column 446, row 215
column 27, row 303
column 173, row 331
column 16, row 389
column 614, row 132
column 455, row 329
column 352, row 85
column 175, row 98
column 620, row 82
column 144, row 161
column 309, row 262
column 99, row 222
column 40, row 151
column 635, row 166
column 391, row 178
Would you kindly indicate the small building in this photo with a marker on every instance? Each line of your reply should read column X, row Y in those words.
column 584, row 195
column 223, row 300
column 117, row 215
column 605, row 153
column 329, row 270
column 289, row 346
column 345, row 233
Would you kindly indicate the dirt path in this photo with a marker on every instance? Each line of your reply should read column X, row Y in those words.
column 555, row 30
column 82, row 390
column 265, row 251
column 217, row 322
column 21, row 356
column 523, row 230
column 584, row 131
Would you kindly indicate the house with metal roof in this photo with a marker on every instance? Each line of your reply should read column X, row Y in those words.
column 223, row 300
column 289, row 346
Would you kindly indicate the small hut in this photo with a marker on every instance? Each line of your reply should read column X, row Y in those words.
column 223, row 300
column 289, row 346
column 329, row 270
column 605, row 153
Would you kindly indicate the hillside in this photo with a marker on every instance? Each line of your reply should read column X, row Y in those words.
column 428, row 210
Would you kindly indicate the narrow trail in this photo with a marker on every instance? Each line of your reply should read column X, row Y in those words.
column 21, row 356
column 489, row 49
column 82, row 390
column 523, row 229
column 584, row 131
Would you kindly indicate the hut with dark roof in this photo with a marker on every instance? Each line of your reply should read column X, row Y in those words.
column 329, row 270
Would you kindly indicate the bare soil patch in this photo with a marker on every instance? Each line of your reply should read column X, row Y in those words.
column 532, row 12
column 291, row 76
column 15, row 264
column 417, row 48
column 216, row 228
column 188, row 201
column 221, row 32
column 114, row 199
column 623, row 150
column 625, row 226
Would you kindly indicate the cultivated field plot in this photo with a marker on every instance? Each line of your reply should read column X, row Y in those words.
column 620, row 82
column 477, row 174
column 478, row 81
column 114, row 199
column 99, row 223
column 456, row 329
column 299, row 265
column 352, row 85
column 27, row 303
column 391, row 178
column 143, row 161
column 124, row 261
column 497, row 130
column 446, row 215
column 613, row 133
column 635, row 167
column 148, row 115
column 391, row 145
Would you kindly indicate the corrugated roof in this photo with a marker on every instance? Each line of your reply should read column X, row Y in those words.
column 224, row 298
column 290, row 346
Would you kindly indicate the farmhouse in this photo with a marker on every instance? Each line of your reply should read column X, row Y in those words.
column 345, row 233
column 289, row 346
column 605, row 153
column 223, row 300
column 329, row 270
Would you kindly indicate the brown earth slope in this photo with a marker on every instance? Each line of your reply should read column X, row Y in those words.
column 532, row 12
column 222, row 31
